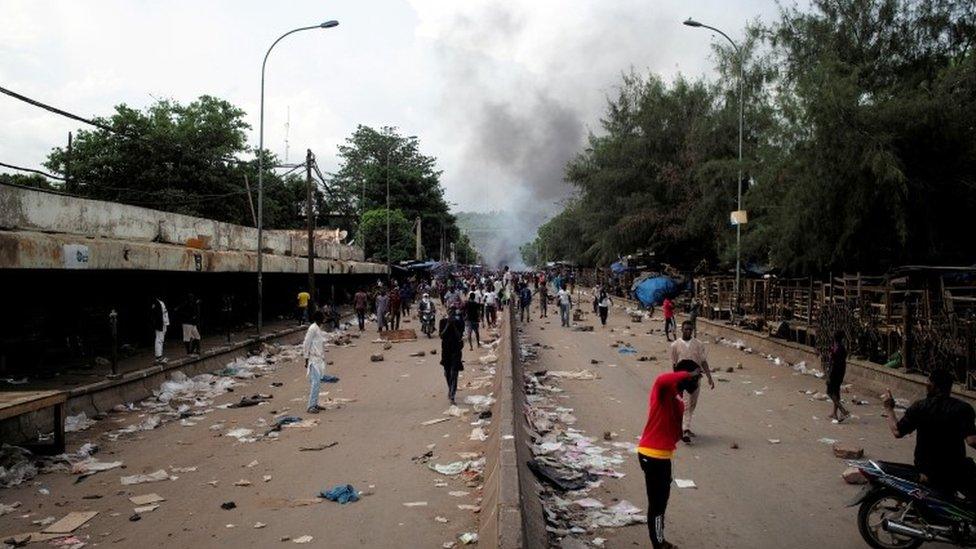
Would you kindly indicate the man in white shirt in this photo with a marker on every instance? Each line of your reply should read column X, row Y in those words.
column 689, row 348
column 491, row 304
column 565, row 300
column 313, row 349
column 160, row 318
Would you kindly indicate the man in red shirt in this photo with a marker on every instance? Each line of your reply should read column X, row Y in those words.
column 659, row 440
column 669, row 326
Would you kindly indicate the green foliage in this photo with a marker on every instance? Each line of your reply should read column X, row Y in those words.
column 859, row 148
column 179, row 158
column 373, row 232
column 28, row 180
column 372, row 159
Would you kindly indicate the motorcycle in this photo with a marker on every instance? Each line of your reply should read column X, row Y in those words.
column 897, row 511
column 427, row 322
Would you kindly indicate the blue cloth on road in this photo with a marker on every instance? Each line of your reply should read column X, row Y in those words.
column 282, row 421
column 627, row 351
column 329, row 379
column 342, row 493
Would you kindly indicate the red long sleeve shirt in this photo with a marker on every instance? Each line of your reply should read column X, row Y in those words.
column 663, row 428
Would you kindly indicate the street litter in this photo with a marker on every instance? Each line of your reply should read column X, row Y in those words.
column 341, row 493
column 826, row 440
column 589, row 503
column 478, row 434
column 303, row 539
column 683, row 483
column 458, row 467
column 480, row 403
column 575, row 374
column 458, row 493
column 627, row 350
column 253, row 400
column 145, row 509
column 80, row 422
column 442, row 520
column 242, row 482
column 468, row 538
column 259, row 525
column 91, row 466
column 455, row 411
column 228, row 505
column 71, row 522
column 5, row 509
column 252, row 464
column 435, row 421
column 142, row 479
column 242, row 434
column 415, row 504
column 317, row 447
column 147, row 499
column 468, row 507
column 623, row 513
column 488, row 359
column 774, row 441
column 183, row 469
column 16, row 466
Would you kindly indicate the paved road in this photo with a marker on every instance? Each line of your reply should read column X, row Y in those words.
column 377, row 435
column 759, row 495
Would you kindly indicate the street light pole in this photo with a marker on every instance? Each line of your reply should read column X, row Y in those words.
column 738, row 226
column 326, row 25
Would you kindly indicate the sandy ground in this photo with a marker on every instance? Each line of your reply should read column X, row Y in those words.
column 759, row 495
column 377, row 436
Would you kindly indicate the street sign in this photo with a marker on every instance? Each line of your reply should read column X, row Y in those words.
column 739, row 217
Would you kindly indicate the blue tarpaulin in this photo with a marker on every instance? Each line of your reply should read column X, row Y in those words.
column 618, row 267
column 653, row 290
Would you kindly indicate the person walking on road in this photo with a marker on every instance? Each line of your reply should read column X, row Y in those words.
column 313, row 349
column 689, row 348
column 451, row 330
column 160, row 320
column 659, row 441
column 382, row 309
column 302, row 308
column 189, row 314
column 472, row 316
column 693, row 313
column 836, row 369
column 395, row 308
column 525, row 303
column 669, row 325
column 565, row 305
column 491, row 306
column 604, row 303
column 543, row 292
column 360, row 301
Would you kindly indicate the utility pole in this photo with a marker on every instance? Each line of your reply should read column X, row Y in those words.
column 310, row 222
column 417, row 247
column 389, row 260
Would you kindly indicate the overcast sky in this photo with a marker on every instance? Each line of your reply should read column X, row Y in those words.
column 501, row 92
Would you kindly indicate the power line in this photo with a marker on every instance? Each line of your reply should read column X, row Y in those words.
column 32, row 170
column 56, row 110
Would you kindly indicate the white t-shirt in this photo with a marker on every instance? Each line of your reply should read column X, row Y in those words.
column 692, row 349
column 313, row 348
column 605, row 302
column 563, row 297
column 162, row 307
column 491, row 298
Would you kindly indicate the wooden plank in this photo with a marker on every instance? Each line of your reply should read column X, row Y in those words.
column 15, row 403
column 70, row 522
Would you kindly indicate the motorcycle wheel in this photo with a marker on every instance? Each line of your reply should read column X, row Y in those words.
column 872, row 514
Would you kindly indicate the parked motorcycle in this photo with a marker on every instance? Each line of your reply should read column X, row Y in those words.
column 427, row 322
column 896, row 511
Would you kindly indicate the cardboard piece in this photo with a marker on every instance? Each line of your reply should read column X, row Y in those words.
column 70, row 522
column 147, row 499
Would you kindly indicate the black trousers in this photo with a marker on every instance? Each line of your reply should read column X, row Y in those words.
column 451, row 375
column 604, row 311
column 395, row 321
column 657, row 481
column 361, row 317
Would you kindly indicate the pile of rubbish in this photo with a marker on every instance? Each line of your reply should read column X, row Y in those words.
column 568, row 463
column 800, row 367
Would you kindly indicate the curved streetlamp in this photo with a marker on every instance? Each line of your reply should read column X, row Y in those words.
column 738, row 226
column 325, row 25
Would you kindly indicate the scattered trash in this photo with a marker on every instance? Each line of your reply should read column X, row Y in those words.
column 243, row 482
column 241, row 434
column 249, row 401
column 6, row 509
column 480, row 403
column 341, row 493
column 478, row 434
column 458, row 493
column 684, row 483
column 147, row 499
column 589, row 503
column 303, row 539
column 774, row 441
column 80, row 422
column 376, row 357
column 145, row 509
column 468, row 538
column 329, row 379
column 455, row 411
column 16, row 466
column 91, row 466
column 441, row 520
column 488, row 359
column 826, row 440
column 317, row 447
column 142, row 479
column 734, row 445
column 415, row 504
column 435, row 421
column 575, row 374
column 71, row 522
column 228, row 505
column 259, row 525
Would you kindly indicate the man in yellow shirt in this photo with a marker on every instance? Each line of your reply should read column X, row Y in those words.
column 303, row 299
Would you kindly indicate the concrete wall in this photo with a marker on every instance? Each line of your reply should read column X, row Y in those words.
column 36, row 250
column 500, row 523
column 30, row 210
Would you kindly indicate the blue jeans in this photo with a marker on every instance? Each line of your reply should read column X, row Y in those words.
column 314, row 381
column 564, row 313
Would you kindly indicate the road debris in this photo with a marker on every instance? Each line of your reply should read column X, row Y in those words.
column 341, row 493
column 158, row 476
column 317, row 447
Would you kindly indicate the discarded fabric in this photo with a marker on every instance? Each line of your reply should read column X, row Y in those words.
column 341, row 493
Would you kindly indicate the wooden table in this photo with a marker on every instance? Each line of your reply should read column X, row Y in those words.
column 18, row 403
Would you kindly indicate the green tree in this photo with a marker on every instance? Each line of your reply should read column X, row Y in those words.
column 179, row 158
column 371, row 159
column 373, row 232
column 28, row 180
